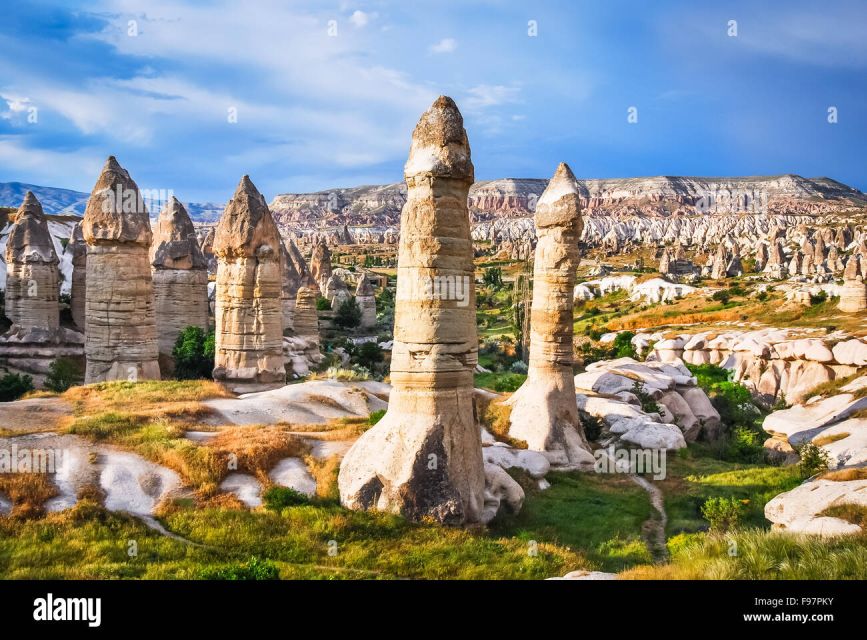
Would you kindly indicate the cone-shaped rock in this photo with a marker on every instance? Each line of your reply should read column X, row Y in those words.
column 249, row 318
column 366, row 301
column 424, row 458
column 32, row 279
column 120, row 327
column 78, row 251
column 320, row 265
column 306, row 279
column 544, row 411
column 336, row 291
column 180, row 273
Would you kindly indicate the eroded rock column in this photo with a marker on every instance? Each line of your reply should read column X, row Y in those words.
column 78, row 292
column 424, row 458
column 366, row 301
column 120, row 327
column 180, row 273
column 544, row 410
column 32, row 279
column 249, row 318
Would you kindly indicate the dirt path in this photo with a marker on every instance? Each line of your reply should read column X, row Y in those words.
column 653, row 529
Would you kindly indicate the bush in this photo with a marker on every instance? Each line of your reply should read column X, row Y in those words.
column 818, row 298
column 368, row 355
column 254, row 569
column 732, row 400
column 722, row 296
column 348, row 314
column 14, row 385
column 276, row 498
column 509, row 382
column 814, row 459
column 623, row 345
column 322, row 304
column 519, row 366
column 591, row 424
column 194, row 354
column 375, row 417
column 648, row 404
column 745, row 446
column 723, row 514
column 62, row 374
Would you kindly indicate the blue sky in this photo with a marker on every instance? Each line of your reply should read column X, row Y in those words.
column 153, row 83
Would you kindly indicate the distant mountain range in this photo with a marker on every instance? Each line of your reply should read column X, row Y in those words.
column 67, row 202
column 380, row 205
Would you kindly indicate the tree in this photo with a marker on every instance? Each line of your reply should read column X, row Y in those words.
column 493, row 277
column 14, row 385
column 62, row 374
column 369, row 355
column 348, row 314
column 194, row 354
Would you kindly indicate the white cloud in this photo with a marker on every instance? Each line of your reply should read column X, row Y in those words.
column 44, row 166
column 16, row 107
column 359, row 18
column 446, row 45
column 490, row 95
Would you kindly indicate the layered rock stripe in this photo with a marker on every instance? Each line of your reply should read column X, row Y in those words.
column 544, row 411
column 120, row 324
column 249, row 317
column 423, row 459
column 180, row 273
column 32, row 278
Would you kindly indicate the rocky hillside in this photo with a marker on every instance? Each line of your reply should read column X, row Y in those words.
column 516, row 198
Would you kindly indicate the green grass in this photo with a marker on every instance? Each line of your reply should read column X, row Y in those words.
column 501, row 382
column 693, row 479
column 598, row 515
column 89, row 542
column 756, row 554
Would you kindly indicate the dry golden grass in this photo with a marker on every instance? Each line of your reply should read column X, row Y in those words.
column 254, row 449
column 844, row 475
column 141, row 396
column 496, row 417
column 28, row 492
column 823, row 440
column 325, row 473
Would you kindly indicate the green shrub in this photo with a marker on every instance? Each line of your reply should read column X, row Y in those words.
column 722, row 296
column 723, row 514
column 348, row 314
column 14, row 385
column 276, row 498
column 623, row 345
column 322, row 304
column 745, row 445
column 375, row 417
column 591, row 424
column 62, row 374
column 194, row 354
column 732, row 400
column 814, row 459
column 818, row 298
column 509, row 382
column 368, row 355
column 648, row 404
column 254, row 569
